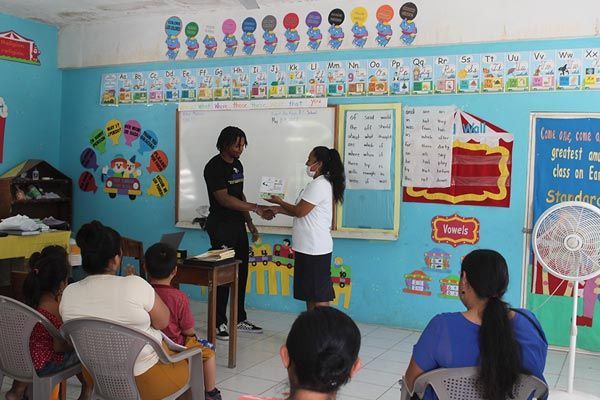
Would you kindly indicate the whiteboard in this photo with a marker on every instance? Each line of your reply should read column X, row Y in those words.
column 279, row 141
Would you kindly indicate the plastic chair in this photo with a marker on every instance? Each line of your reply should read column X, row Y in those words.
column 462, row 384
column 17, row 321
column 108, row 351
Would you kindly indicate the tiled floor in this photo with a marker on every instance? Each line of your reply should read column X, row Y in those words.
column 385, row 353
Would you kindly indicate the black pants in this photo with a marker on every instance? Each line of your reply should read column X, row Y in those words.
column 232, row 235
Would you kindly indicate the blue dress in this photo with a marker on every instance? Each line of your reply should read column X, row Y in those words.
column 451, row 341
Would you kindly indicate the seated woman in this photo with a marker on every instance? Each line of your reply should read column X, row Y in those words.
column 128, row 300
column 320, row 354
column 501, row 341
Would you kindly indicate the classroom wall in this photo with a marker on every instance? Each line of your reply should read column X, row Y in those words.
column 141, row 37
column 378, row 267
column 33, row 96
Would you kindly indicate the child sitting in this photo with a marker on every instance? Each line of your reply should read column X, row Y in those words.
column 42, row 291
column 160, row 262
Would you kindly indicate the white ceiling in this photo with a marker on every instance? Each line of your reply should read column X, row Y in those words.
column 66, row 12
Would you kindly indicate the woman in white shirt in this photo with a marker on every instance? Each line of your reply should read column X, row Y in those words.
column 129, row 300
column 311, row 234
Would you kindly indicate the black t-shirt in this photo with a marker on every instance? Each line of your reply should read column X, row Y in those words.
column 219, row 175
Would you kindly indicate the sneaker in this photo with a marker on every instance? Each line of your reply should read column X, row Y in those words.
column 249, row 327
column 222, row 333
column 214, row 395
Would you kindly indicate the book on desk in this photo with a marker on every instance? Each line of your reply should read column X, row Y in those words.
column 214, row 255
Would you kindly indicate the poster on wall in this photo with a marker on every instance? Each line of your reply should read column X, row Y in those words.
column 14, row 47
column 567, row 168
column 481, row 166
column 517, row 71
column 542, row 70
column 427, row 146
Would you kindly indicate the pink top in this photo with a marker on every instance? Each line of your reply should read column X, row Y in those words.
column 181, row 318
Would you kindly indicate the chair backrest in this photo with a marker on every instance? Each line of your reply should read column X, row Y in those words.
column 17, row 321
column 463, row 384
column 108, row 351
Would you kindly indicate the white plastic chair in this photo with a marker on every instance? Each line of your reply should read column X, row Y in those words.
column 17, row 321
column 108, row 351
column 462, row 384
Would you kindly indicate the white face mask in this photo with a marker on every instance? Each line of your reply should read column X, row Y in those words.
column 309, row 172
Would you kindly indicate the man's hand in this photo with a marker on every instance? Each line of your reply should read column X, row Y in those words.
column 275, row 200
column 265, row 212
column 253, row 231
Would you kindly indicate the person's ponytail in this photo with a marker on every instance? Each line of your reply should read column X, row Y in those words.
column 332, row 170
column 500, row 360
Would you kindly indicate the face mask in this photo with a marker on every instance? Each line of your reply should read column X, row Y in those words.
column 309, row 172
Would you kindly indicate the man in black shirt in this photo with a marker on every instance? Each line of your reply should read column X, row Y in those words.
column 229, row 211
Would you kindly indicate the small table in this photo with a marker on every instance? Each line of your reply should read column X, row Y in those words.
column 213, row 274
column 24, row 246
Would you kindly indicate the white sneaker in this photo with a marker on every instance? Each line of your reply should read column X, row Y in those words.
column 222, row 333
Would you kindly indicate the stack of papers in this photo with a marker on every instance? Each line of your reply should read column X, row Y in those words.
column 216, row 255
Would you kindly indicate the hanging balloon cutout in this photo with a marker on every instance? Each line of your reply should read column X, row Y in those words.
column 313, row 21
column 172, row 29
column 290, row 23
column 88, row 159
column 248, row 39
column 158, row 161
column 269, row 23
column 230, row 40
column 191, row 31
column 336, row 33
column 87, row 182
column 408, row 12
column 359, row 18
column 148, row 141
column 384, row 15
column 114, row 131
column 132, row 131
column 98, row 140
column 159, row 186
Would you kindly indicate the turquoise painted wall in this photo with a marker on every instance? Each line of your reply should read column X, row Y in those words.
column 378, row 268
column 33, row 96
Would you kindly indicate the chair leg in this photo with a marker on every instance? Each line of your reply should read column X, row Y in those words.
column 1, row 378
column 62, row 392
column 196, row 378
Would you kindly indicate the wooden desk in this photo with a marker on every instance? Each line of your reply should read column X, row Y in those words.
column 213, row 275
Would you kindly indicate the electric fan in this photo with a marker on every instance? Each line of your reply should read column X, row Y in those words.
column 566, row 242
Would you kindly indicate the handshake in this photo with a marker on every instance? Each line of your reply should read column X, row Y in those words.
column 266, row 212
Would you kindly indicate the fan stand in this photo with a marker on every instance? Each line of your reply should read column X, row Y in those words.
column 570, row 394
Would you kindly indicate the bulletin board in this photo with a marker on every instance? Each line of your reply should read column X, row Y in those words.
column 564, row 166
column 368, row 140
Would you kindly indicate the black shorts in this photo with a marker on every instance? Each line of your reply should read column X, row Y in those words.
column 312, row 277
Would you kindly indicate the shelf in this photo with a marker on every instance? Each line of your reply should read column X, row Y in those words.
column 37, row 201
column 21, row 181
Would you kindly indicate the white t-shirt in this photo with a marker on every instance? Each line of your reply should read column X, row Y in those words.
column 123, row 299
column 311, row 234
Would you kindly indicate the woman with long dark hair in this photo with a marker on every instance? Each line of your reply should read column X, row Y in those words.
column 502, row 342
column 311, row 234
